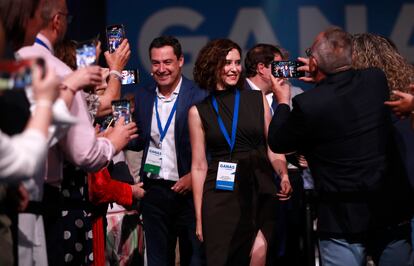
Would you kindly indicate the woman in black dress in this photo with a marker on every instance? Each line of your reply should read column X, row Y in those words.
column 233, row 185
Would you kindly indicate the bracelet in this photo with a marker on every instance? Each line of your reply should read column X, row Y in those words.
column 43, row 103
column 116, row 73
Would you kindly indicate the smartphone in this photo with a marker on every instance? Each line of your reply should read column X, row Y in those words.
column 121, row 108
column 114, row 35
column 86, row 54
column 287, row 69
column 18, row 74
column 130, row 76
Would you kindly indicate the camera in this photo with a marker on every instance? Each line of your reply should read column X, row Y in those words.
column 18, row 74
column 287, row 69
column 121, row 108
column 130, row 76
column 86, row 54
column 114, row 35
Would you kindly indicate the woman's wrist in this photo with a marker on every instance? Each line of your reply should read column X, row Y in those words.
column 116, row 74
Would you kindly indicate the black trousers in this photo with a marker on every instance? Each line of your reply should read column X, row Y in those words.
column 166, row 216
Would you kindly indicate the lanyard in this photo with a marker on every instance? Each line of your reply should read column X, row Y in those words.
column 42, row 43
column 231, row 141
column 162, row 131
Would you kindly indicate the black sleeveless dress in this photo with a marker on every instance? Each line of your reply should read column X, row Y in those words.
column 231, row 219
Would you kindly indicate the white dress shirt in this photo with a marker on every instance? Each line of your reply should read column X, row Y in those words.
column 169, row 169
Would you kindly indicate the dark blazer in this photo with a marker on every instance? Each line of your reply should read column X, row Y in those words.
column 189, row 95
column 344, row 129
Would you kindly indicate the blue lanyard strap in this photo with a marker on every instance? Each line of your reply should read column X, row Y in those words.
column 162, row 131
column 42, row 43
column 231, row 141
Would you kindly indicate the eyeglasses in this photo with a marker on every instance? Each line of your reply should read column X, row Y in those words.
column 308, row 52
column 69, row 18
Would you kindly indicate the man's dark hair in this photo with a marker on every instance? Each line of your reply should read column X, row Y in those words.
column 167, row 41
column 260, row 53
column 333, row 50
column 14, row 15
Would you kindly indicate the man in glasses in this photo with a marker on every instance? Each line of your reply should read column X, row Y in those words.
column 343, row 128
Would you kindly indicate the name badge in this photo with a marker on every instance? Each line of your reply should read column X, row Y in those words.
column 153, row 161
column 226, row 173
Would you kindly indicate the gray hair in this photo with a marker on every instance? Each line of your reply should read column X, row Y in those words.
column 333, row 50
column 49, row 8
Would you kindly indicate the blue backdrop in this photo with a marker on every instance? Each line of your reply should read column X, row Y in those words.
column 292, row 24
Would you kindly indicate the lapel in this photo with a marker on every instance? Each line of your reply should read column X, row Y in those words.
column 147, row 111
column 247, row 85
column 184, row 97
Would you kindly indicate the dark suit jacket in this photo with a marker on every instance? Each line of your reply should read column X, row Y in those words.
column 189, row 95
column 344, row 129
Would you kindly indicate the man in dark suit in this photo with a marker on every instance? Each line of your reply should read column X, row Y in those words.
column 161, row 113
column 344, row 130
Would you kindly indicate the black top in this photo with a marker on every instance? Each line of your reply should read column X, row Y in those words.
column 232, row 218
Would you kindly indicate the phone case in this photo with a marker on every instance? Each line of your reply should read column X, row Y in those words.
column 121, row 108
column 114, row 35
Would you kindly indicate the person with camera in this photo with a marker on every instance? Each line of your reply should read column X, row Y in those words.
column 79, row 144
column 343, row 128
column 23, row 142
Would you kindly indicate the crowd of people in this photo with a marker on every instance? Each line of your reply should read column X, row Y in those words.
column 218, row 166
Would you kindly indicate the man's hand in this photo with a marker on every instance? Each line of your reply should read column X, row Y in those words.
column 281, row 89
column 285, row 189
column 183, row 185
column 302, row 161
column 402, row 106
column 305, row 68
column 137, row 191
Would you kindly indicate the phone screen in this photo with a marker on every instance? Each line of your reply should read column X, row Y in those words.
column 121, row 108
column 114, row 34
column 130, row 76
column 18, row 74
column 86, row 54
column 287, row 69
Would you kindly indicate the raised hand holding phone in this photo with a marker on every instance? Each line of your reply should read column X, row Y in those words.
column 115, row 34
column 287, row 69
column 117, row 60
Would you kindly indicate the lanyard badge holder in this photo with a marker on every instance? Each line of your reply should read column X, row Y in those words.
column 154, row 155
column 226, row 172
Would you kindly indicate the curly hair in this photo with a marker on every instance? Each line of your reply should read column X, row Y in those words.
column 371, row 50
column 210, row 61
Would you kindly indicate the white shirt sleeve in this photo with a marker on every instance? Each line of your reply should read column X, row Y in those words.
column 22, row 155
